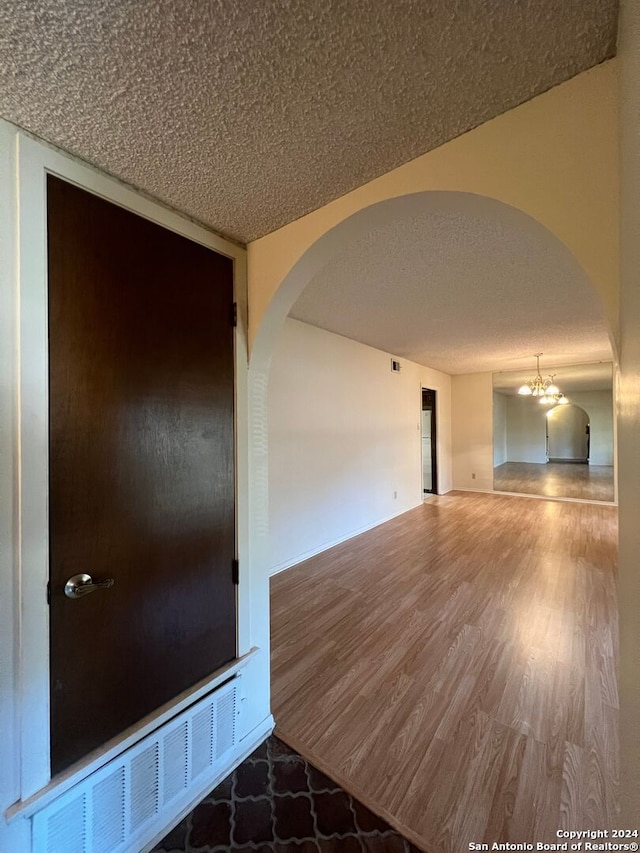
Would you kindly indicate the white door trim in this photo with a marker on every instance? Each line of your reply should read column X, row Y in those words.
column 34, row 161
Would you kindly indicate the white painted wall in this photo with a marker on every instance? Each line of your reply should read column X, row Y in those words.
column 526, row 427
column 344, row 435
column 472, row 431
column 628, row 399
column 526, row 430
column 599, row 406
column 499, row 428
column 567, row 433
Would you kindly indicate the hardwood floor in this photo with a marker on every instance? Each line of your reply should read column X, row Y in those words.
column 556, row 479
column 455, row 668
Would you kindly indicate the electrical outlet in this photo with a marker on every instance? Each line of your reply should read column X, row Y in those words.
column 395, row 496
column 473, row 476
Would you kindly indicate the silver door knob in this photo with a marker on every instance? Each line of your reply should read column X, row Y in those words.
column 81, row 585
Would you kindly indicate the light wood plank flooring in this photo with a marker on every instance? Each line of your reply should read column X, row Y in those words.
column 556, row 479
column 455, row 668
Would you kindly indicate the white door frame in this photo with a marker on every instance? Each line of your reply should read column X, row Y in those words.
column 435, row 410
column 29, row 636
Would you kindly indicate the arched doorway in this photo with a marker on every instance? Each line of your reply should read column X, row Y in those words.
column 568, row 434
column 474, row 415
column 476, row 295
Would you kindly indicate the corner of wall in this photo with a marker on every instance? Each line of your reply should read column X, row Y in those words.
column 472, row 431
column 628, row 399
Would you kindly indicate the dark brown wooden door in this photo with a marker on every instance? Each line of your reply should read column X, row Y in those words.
column 141, row 440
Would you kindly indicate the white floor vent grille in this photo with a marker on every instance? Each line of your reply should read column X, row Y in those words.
column 116, row 809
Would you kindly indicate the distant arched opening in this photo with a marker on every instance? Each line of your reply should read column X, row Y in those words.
column 568, row 434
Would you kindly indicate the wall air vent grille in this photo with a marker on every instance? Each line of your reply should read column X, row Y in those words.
column 145, row 782
column 176, row 754
column 126, row 803
column 108, row 812
column 203, row 741
column 67, row 828
column 225, row 725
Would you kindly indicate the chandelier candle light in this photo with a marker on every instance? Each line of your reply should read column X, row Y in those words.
column 545, row 390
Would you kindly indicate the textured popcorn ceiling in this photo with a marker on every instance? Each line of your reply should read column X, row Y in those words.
column 469, row 285
column 247, row 114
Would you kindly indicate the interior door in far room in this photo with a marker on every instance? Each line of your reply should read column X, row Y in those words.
column 141, row 467
column 429, row 459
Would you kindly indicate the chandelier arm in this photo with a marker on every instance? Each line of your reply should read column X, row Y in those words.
column 538, row 386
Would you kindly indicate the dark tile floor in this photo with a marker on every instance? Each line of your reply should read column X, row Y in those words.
column 277, row 801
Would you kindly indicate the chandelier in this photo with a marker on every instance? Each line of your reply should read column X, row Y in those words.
column 545, row 390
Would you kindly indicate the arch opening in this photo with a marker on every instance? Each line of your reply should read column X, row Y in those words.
column 483, row 304
column 568, row 434
column 311, row 268
column 456, row 226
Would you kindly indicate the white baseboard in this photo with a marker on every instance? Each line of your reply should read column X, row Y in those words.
column 300, row 558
